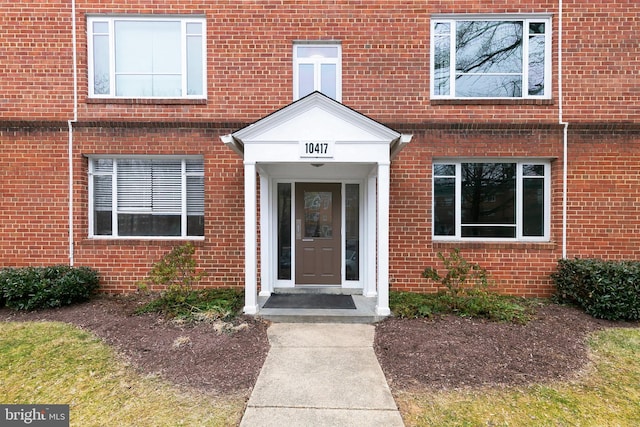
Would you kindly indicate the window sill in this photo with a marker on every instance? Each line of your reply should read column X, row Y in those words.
column 516, row 244
column 146, row 101
column 492, row 101
column 138, row 241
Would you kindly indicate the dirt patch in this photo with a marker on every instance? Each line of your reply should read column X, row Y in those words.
column 453, row 352
column 447, row 352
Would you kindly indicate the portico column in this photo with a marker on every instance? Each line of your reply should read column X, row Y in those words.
column 382, row 307
column 266, row 255
column 369, row 278
column 250, row 240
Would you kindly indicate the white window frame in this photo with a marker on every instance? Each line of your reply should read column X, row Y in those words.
column 114, row 196
column 518, row 199
column 317, row 63
column 110, row 21
column 526, row 20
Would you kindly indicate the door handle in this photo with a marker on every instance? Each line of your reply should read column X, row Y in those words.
column 298, row 229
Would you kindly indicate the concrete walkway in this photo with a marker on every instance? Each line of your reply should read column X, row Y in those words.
column 321, row 374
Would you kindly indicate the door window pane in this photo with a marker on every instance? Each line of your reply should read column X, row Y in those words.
column 352, row 244
column 284, row 231
column 318, row 214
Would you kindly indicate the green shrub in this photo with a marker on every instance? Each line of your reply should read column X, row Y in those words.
column 197, row 305
column 177, row 275
column 477, row 304
column 463, row 292
column 461, row 275
column 29, row 288
column 414, row 305
column 604, row 289
column 176, row 271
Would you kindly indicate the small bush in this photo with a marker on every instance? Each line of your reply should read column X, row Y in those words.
column 176, row 271
column 463, row 292
column 177, row 275
column 29, row 288
column 461, row 275
column 477, row 304
column 197, row 305
column 604, row 289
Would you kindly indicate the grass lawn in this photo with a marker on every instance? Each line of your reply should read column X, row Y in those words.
column 55, row 363
column 606, row 394
column 49, row 363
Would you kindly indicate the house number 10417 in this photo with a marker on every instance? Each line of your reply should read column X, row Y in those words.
column 316, row 149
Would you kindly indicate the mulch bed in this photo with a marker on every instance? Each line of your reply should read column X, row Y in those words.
column 441, row 353
column 453, row 352
column 191, row 356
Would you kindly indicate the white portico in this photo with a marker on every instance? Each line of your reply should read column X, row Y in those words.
column 323, row 173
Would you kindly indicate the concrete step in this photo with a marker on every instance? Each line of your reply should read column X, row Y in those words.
column 364, row 313
column 333, row 290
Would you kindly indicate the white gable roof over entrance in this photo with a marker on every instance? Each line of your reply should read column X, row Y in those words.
column 316, row 118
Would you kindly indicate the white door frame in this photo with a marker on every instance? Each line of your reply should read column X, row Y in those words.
column 269, row 233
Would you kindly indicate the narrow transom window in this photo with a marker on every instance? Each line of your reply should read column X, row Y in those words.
column 142, row 197
column 505, row 57
column 146, row 57
column 491, row 200
column 317, row 67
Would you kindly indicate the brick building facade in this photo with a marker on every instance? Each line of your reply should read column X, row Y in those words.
column 513, row 133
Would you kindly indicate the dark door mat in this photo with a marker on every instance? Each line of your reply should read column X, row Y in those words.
column 310, row 301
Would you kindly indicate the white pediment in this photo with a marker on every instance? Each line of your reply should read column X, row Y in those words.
column 315, row 117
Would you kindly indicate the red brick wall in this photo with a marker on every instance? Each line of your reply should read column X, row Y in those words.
column 516, row 268
column 601, row 61
column 385, row 76
column 124, row 262
column 34, row 197
column 385, row 59
column 604, row 201
column 36, row 60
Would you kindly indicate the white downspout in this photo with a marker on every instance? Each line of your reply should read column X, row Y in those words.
column 70, row 125
column 565, row 133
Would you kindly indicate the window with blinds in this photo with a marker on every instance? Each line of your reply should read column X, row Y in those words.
column 142, row 197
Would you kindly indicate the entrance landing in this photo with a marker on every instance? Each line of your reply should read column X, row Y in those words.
column 364, row 312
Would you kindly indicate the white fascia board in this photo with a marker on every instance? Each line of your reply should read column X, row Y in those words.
column 234, row 144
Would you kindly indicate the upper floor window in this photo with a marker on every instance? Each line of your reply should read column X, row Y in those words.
column 491, row 200
column 497, row 57
column 146, row 197
column 146, row 57
column 317, row 67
